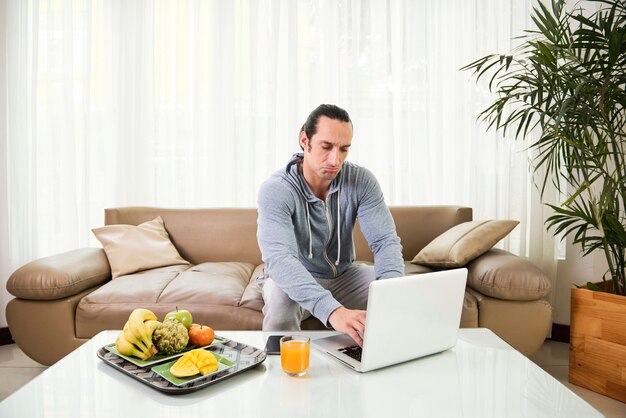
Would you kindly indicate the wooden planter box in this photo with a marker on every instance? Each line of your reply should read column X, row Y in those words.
column 597, row 359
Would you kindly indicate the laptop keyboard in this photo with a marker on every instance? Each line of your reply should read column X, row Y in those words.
column 353, row 351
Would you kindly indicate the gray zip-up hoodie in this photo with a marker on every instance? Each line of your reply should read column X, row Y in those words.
column 302, row 237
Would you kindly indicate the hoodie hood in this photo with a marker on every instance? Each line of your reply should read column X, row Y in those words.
column 293, row 175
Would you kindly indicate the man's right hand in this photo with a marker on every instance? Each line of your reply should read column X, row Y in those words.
column 349, row 321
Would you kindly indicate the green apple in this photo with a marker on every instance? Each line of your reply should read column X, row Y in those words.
column 183, row 316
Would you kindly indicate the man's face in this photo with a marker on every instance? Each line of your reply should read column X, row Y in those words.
column 326, row 151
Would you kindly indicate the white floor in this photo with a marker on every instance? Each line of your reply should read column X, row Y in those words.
column 553, row 357
column 17, row 369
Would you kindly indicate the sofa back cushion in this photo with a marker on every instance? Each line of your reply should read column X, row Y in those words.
column 229, row 234
column 201, row 235
column 416, row 226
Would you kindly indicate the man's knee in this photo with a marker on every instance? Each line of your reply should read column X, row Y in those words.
column 282, row 317
column 280, row 313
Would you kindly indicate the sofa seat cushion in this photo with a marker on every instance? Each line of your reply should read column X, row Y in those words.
column 215, row 290
column 469, row 314
column 252, row 297
column 209, row 283
column 410, row 268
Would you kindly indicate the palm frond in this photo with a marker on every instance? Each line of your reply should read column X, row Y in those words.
column 567, row 79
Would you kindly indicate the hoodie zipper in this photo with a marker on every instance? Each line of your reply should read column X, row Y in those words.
column 330, row 263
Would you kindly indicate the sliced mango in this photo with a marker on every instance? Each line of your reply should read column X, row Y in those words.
column 184, row 367
column 207, row 363
column 194, row 362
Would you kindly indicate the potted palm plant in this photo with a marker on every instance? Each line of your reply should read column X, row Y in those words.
column 564, row 86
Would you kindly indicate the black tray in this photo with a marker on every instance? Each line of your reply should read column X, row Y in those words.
column 244, row 356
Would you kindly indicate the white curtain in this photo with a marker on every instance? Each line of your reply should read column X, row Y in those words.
column 194, row 103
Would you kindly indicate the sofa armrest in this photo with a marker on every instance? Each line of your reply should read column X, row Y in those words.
column 60, row 276
column 502, row 275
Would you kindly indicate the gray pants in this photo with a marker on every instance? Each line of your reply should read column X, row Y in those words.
column 283, row 314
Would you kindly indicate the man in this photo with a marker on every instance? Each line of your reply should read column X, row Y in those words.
column 307, row 213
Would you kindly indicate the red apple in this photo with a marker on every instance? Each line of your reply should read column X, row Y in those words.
column 201, row 335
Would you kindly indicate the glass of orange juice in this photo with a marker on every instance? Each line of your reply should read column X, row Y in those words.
column 295, row 351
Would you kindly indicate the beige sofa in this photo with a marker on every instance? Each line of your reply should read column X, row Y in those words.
column 63, row 300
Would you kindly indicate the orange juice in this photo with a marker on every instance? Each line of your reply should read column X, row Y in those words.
column 294, row 355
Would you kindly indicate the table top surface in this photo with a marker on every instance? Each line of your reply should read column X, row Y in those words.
column 481, row 376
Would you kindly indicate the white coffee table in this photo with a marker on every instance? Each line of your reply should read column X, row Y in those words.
column 481, row 377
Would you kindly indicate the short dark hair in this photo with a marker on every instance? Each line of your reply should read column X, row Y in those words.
column 328, row 110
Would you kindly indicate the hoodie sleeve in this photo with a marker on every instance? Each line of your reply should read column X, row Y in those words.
column 279, row 249
column 378, row 228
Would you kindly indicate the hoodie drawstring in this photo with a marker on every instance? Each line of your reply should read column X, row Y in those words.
column 308, row 220
column 338, row 227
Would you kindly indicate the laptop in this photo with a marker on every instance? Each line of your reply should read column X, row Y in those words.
column 407, row 318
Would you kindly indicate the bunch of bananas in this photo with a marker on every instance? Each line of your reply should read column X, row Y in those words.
column 136, row 338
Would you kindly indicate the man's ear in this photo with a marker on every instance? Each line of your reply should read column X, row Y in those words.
column 303, row 140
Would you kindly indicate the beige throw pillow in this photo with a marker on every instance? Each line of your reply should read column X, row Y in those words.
column 502, row 275
column 463, row 243
column 131, row 248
